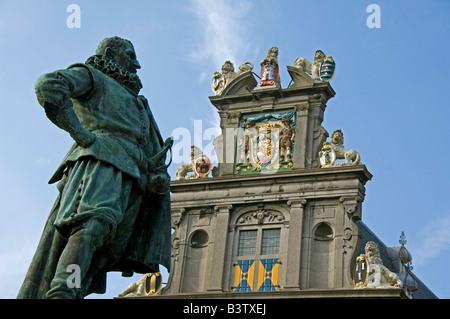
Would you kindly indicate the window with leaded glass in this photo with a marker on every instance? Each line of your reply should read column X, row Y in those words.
column 270, row 241
column 247, row 242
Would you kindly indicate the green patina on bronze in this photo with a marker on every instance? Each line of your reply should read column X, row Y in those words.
column 113, row 208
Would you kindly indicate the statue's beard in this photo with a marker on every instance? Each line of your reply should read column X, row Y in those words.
column 115, row 71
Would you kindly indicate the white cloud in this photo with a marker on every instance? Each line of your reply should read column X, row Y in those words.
column 435, row 241
column 224, row 28
column 225, row 34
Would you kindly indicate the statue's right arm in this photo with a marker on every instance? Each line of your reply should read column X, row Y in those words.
column 54, row 92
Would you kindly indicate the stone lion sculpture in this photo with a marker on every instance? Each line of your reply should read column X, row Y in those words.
column 272, row 55
column 183, row 170
column 380, row 276
column 312, row 68
column 336, row 143
column 229, row 74
column 222, row 80
column 135, row 289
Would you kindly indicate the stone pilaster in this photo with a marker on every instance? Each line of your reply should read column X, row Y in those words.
column 229, row 123
column 294, row 243
column 220, row 242
column 178, row 251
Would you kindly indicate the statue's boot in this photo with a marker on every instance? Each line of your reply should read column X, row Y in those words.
column 81, row 246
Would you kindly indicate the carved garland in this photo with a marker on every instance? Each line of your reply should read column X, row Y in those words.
column 261, row 216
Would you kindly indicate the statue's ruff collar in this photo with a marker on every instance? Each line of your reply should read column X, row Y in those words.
column 115, row 71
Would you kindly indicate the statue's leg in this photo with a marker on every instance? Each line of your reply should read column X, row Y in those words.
column 80, row 248
column 92, row 205
column 288, row 154
column 113, row 250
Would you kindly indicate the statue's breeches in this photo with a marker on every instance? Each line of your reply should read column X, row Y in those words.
column 98, row 208
column 93, row 189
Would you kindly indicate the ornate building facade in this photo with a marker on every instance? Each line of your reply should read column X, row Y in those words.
column 281, row 215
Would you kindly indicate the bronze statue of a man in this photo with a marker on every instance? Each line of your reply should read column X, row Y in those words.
column 113, row 208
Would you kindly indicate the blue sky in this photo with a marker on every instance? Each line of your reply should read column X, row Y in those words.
column 392, row 93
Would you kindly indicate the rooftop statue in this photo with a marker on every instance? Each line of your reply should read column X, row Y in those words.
column 270, row 75
column 200, row 165
column 113, row 208
column 322, row 69
column 372, row 273
column 221, row 80
column 333, row 150
column 148, row 284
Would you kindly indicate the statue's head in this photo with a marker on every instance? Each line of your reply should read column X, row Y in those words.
column 286, row 121
column 372, row 250
column 319, row 55
column 249, row 124
column 273, row 52
column 120, row 51
column 337, row 137
column 227, row 67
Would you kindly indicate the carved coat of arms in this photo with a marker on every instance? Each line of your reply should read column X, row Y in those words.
column 265, row 143
column 218, row 83
column 361, row 272
column 202, row 166
column 269, row 73
column 327, row 69
column 260, row 147
column 267, row 147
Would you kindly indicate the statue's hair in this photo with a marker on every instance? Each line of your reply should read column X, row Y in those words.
column 286, row 119
column 112, row 42
column 321, row 53
column 341, row 135
column 228, row 66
